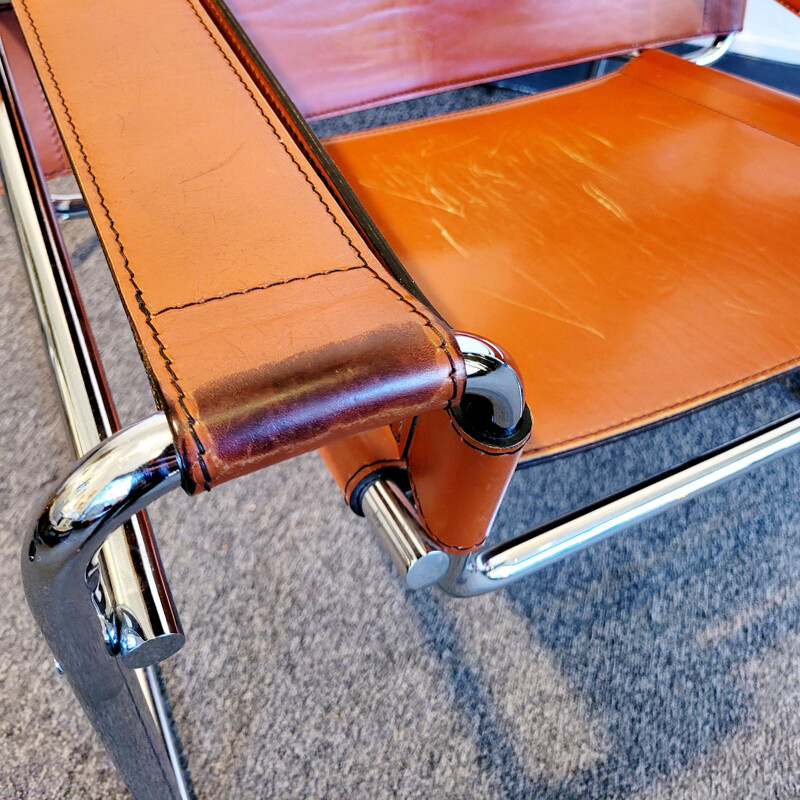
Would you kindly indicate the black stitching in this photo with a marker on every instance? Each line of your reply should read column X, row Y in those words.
column 126, row 264
column 205, row 300
column 399, row 295
column 148, row 315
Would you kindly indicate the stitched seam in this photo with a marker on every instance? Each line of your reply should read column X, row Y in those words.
column 480, row 449
column 678, row 404
column 414, row 310
column 201, row 450
column 501, row 75
column 421, row 511
column 710, row 108
column 126, row 264
column 257, row 289
column 425, row 522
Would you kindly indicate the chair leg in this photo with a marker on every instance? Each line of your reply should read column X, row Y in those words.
column 60, row 577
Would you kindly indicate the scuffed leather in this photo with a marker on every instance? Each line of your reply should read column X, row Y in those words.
column 268, row 325
column 632, row 241
column 343, row 55
column 48, row 145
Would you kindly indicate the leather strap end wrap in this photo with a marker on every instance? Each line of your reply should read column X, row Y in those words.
column 268, row 323
column 457, row 481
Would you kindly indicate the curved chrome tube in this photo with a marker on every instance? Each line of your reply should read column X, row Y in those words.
column 707, row 56
column 118, row 478
column 509, row 561
column 138, row 599
column 491, row 376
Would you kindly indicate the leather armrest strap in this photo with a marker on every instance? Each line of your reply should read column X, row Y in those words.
column 268, row 322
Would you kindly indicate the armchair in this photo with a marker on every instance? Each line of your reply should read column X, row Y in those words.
column 277, row 322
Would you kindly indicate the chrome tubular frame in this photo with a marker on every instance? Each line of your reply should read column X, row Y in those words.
column 118, row 478
column 704, row 56
column 91, row 607
column 69, row 206
column 129, row 563
column 504, row 563
column 495, row 566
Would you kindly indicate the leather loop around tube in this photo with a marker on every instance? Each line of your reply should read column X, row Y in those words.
column 268, row 323
column 458, row 481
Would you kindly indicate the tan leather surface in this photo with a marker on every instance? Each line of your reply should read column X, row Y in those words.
column 45, row 136
column 268, row 325
column 633, row 241
column 346, row 54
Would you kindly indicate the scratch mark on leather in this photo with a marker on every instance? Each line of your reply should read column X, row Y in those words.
column 605, row 201
column 576, row 319
column 744, row 309
column 549, row 314
column 429, row 195
column 597, row 137
column 215, row 167
column 432, row 149
column 449, row 239
column 660, row 122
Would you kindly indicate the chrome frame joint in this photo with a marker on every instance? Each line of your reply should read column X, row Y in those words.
column 118, row 478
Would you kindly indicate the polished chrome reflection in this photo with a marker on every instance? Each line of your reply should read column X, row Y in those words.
column 704, row 56
column 707, row 56
column 130, row 568
column 118, row 478
column 509, row 561
column 489, row 375
column 419, row 561
column 125, row 705
column 69, row 206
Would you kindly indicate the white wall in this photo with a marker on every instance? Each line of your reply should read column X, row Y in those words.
column 770, row 31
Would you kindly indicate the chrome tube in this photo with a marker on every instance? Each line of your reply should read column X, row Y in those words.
column 69, row 206
column 501, row 564
column 419, row 561
column 130, row 567
column 118, row 478
column 707, row 56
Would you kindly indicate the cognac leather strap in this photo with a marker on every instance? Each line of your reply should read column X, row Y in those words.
column 267, row 320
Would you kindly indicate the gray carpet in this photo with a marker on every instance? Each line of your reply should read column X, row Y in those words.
column 663, row 663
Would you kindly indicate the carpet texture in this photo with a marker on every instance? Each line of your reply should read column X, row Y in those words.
column 662, row 663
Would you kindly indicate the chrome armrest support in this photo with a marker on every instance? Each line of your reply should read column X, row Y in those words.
column 118, row 478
